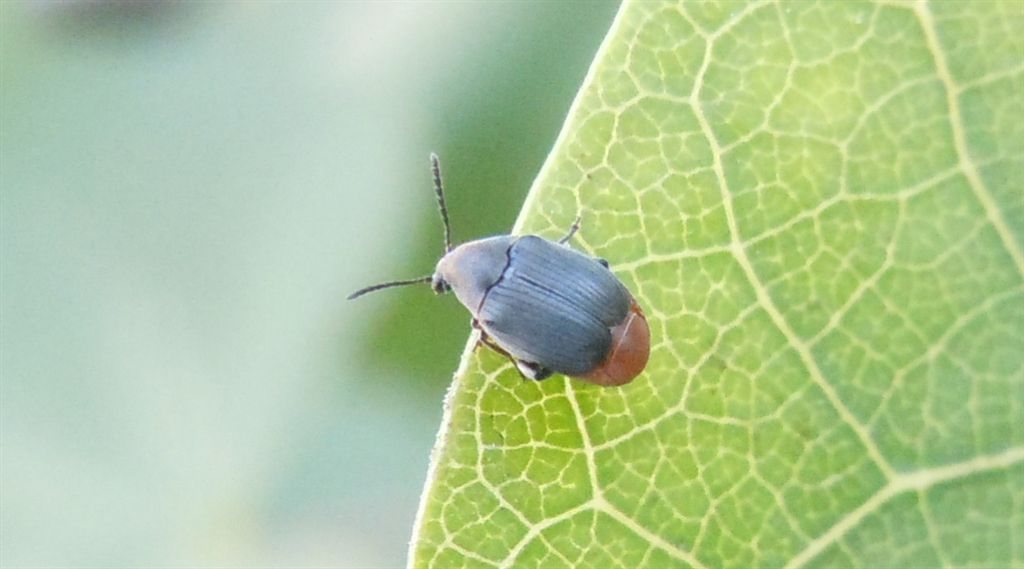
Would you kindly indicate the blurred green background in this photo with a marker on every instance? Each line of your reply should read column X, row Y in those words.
column 189, row 190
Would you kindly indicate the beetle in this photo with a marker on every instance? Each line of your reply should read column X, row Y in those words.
column 545, row 306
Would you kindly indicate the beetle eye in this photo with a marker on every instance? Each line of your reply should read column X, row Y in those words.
column 440, row 286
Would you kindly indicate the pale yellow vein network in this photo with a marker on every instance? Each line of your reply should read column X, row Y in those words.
column 763, row 298
column 897, row 482
column 924, row 16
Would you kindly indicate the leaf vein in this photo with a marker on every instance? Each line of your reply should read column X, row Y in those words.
column 739, row 252
column 988, row 202
column 919, row 480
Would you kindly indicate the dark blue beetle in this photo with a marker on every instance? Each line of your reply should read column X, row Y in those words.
column 545, row 306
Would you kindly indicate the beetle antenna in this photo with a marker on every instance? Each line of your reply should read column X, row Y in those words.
column 439, row 190
column 388, row 284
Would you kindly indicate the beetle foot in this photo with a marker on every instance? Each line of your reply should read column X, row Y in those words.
column 533, row 371
column 572, row 231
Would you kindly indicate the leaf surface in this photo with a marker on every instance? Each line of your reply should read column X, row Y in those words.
column 819, row 206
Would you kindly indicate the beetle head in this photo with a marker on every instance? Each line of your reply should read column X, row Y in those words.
column 471, row 269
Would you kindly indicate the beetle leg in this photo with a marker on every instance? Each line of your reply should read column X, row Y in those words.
column 527, row 370
column 476, row 326
column 601, row 262
column 572, row 231
column 532, row 371
column 486, row 340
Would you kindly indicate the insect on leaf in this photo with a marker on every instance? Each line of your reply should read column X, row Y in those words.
column 819, row 206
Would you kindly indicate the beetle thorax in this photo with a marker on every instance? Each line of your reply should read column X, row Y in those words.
column 472, row 268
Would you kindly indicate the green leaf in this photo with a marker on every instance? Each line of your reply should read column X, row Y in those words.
column 819, row 207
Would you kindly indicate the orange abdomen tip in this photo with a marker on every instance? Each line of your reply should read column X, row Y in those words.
column 631, row 347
